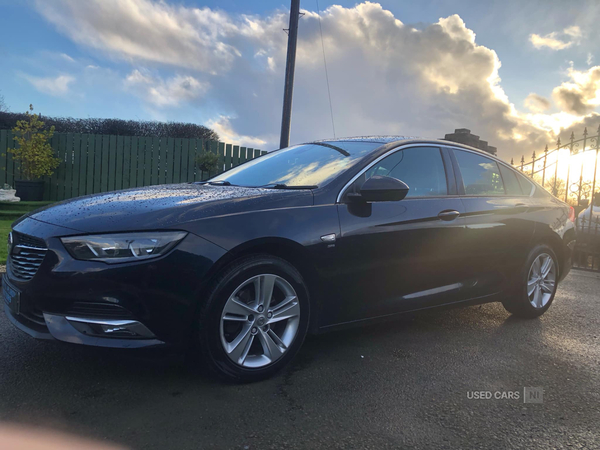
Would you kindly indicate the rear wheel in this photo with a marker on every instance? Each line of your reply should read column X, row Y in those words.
column 537, row 284
column 255, row 318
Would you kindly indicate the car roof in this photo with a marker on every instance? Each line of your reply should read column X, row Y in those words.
column 376, row 139
column 391, row 141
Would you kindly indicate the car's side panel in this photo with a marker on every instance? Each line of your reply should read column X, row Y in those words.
column 502, row 230
column 499, row 235
column 396, row 256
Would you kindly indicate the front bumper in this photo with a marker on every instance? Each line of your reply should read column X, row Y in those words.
column 128, row 305
column 71, row 329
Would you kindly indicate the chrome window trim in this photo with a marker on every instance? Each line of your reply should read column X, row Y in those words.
column 385, row 155
column 440, row 146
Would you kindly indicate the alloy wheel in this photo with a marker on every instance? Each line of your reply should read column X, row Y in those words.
column 541, row 281
column 260, row 321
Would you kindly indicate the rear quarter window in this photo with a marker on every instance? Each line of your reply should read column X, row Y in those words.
column 511, row 183
column 526, row 185
column 480, row 174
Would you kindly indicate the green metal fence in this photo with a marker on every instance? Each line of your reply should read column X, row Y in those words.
column 92, row 163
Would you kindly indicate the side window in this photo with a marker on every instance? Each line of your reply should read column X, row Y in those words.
column 480, row 174
column 510, row 181
column 526, row 185
column 421, row 168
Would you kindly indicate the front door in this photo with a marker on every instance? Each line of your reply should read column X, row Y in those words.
column 400, row 255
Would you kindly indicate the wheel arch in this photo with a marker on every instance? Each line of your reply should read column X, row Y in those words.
column 559, row 247
column 283, row 248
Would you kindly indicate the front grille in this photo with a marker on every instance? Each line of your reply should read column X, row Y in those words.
column 26, row 256
column 29, row 241
column 98, row 309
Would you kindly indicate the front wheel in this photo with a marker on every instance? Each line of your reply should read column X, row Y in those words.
column 255, row 318
column 537, row 284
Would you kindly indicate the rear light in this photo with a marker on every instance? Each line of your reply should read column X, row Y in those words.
column 572, row 214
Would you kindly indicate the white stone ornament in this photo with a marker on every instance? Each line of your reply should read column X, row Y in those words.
column 8, row 195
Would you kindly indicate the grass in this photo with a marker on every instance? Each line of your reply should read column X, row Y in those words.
column 4, row 230
column 9, row 212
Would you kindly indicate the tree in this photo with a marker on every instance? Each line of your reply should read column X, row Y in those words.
column 3, row 107
column 597, row 199
column 557, row 190
column 207, row 162
column 34, row 152
column 146, row 128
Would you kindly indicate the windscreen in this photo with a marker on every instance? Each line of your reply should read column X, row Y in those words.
column 313, row 164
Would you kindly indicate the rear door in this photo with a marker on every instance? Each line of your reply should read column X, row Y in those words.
column 400, row 255
column 498, row 220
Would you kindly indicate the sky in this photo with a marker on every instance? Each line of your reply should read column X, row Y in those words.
column 517, row 73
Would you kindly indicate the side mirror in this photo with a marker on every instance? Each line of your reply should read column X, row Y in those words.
column 383, row 189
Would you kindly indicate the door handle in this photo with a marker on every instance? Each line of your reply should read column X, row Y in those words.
column 520, row 205
column 448, row 215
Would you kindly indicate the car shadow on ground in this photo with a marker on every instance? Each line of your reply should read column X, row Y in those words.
column 149, row 365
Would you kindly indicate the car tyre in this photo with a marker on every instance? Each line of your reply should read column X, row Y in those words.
column 537, row 284
column 233, row 328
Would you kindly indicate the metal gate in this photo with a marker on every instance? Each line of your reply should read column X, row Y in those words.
column 569, row 171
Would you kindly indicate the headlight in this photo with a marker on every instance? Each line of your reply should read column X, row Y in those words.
column 122, row 247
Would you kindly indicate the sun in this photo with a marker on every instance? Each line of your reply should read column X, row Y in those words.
column 575, row 166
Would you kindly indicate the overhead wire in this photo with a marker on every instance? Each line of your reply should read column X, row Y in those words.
column 326, row 73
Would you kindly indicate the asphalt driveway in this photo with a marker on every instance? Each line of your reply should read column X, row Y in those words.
column 407, row 383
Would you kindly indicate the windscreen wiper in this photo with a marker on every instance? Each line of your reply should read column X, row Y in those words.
column 214, row 183
column 285, row 186
column 334, row 147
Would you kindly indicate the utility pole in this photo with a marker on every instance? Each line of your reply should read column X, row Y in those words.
column 288, row 90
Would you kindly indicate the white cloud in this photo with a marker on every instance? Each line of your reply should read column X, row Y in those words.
column 222, row 126
column 385, row 77
column 136, row 78
column 590, row 59
column 581, row 94
column 558, row 40
column 171, row 92
column 536, row 103
column 573, row 31
column 147, row 30
column 56, row 86
column 67, row 57
column 553, row 122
